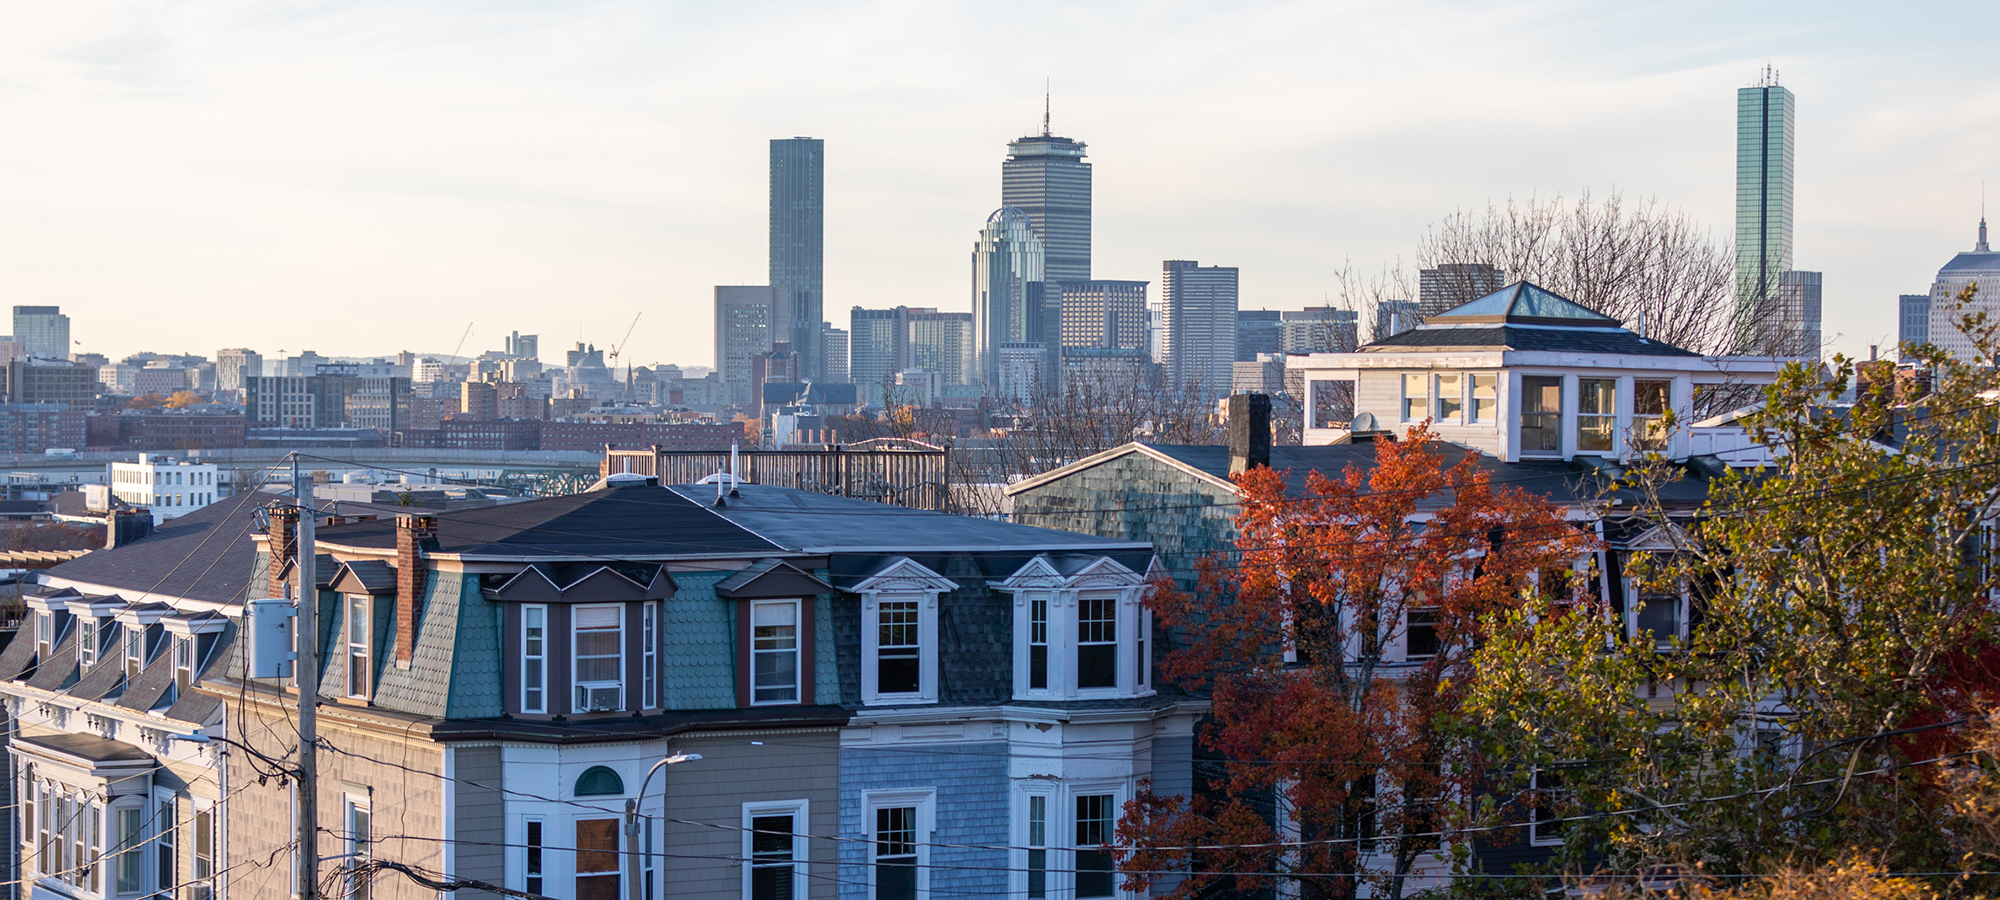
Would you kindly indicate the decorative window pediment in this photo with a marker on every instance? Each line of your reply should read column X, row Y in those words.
column 899, row 633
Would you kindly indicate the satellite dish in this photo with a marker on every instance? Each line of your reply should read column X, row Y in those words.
column 1363, row 422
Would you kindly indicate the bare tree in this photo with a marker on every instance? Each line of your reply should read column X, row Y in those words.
column 1629, row 261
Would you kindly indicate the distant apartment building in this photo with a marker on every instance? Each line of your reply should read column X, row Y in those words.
column 798, row 238
column 833, row 354
column 171, row 487
column 11, row 349
column 1913, row 320
column 119, row 379
column 164, row 431
column 161, row 381
column 941, row 342
column 878, row 345
column 232, row 366
column 1198, row 324
column 41, row 380
column 748, row 319
column 1019, row 371
column 1007, row 292
column 1452, row 285
column 1393, row 317
column 43, row 331
column 306, row 363
column 523, row 346
column 1263, row 375
column 479, row 400
column 1257, row 332
column 39, row 427
column 1319, row 329
column 592, row 436
column 1101, row 315
column 1045, row 177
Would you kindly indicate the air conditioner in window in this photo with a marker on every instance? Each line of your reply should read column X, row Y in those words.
column 608, row 698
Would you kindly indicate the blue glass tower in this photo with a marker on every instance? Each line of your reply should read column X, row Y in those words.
column 1764, row 140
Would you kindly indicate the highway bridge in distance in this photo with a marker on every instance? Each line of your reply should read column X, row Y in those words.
column 532, row 471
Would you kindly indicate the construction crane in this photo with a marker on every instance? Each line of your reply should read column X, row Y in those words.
column 461, row 343
column 620, row 346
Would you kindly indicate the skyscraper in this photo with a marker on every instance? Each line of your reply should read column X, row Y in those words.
column 1913, row 320
column 747, row 318
column 1764, row 114
column 798, row 245
column 1258, row 331
column 1103, row 315
column 523, row 346
column 877, row 345
column 1790, row 325
column 833, row 353
column 1452, row 285
column 1198, row 324
column 1046, row 178
column 1980, row 267
column 1320, row 329
column 43, row 331
column 941, row 342
column 1007, row 277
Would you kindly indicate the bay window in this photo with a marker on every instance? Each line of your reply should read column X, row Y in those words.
column 1087, row 634
column 598, row 658
column 1097, row 642
column 534, row 659
column 1096, row 875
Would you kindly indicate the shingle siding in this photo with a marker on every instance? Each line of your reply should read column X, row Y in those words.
column 971, row 807
column 1138, row 498
column 700, row 644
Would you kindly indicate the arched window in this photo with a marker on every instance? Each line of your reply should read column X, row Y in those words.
column 599, row 781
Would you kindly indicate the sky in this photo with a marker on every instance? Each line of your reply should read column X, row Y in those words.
column 359, row 178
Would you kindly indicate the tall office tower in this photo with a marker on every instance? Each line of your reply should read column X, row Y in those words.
column 43, row 330
column 833, row 354
column 1913, row 320
column 1102, row 315
column 1453, row 285
column 232, row 366
column 1046, row 178
column 523, row 346
column 1393, row 317
column 798, row 245
column 1198, row 324
column 941, row 342
column 1257, row 331
column 1790, row 324
column 1764, row 114
column 1007, row 274
column 877, row 345
column 747, row 319
column 1981, row 267
column 1319, row 329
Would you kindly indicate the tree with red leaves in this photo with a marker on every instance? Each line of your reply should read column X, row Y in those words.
column 1335, row 647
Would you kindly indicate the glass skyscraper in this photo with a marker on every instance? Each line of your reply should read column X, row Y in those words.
column 1764, row 140
column 798, row 244
column 1046, row 178
column 1198, row 325
column 1007, row 275
column 43, row 331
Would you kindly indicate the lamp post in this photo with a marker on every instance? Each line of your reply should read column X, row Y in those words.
column 632, row 851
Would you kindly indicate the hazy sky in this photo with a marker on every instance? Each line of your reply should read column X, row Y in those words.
column 359, row 178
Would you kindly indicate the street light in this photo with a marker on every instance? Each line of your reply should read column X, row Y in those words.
column 632, row 820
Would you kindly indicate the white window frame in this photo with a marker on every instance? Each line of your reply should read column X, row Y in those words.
column 1439, row 398
column 88, row 633
column 1065, row 813
column 1039, row 581
column 902, row 580
column 534, row 872
column 538, row 681
column 649, row 655
column 801, row 813
column 1423, row 401
column 362, row 884
column 363, row 649
column 579, row 689
column 135, row 649
column 1535, row 837
column 166, row 867
column 925, row 802
column 114, row 844
column 799, row 637
column 1025, row 793
column 1472, row 399
column 1632, row 604
column 1408, row 655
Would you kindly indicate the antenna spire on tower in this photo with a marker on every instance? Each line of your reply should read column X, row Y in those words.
column 1046, row 83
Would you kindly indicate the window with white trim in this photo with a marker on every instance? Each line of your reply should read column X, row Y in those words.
column 135, row 650
column 775, row 850
column 166, row 824
column 1076, row 643
column 1659, row 613
column 86, row 641
column 774, row 651
column 598, row 658
column 203, row 875
column 597, row 860
column 1416, row 397
column 649, row 654
column 1484, row 400
column 1545, row 819
column 360, row 848
column 1038, row 642
column 534, row 659
column 1036, row 843
column 1096, row 869
column 900, row 824
column 359, row 620
column 1420, row 634
column 531, row 861
column 128, row 868
column 1097, row 641
column 899, row 648
column 1450, row 398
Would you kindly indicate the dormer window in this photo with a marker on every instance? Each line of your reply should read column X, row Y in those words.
column 774, row 651
column 899, row 633
column 45, row 632
column 598, row 655
column 1080, row 630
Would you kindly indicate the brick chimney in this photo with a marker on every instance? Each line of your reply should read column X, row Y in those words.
column 1249, row 432
column 283, row 543
column 414, row 536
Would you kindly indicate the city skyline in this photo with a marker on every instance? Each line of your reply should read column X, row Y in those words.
column 229, row 161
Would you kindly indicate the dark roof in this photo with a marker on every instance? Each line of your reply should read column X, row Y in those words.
column 1444, row 336
column 1972, row 261
column 73, row 503
column 23, row 507
column 86, row 746
column 204, row 555
column 612, row 522
column 821, row 523
column 1522, row 303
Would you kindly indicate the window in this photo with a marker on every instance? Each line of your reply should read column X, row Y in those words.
column 1420, row 635
column 1650, row 402
column 183, row 663
column 204, row 855
column 1097, row 642
column 130, row 864
column 1038, row 643
column 1660, row 616
column 1450, row 398
column 1485, row 403
column 45, row 632
column 599, row 657
column 1545, row 823
column 167, row 865
column 532, row 866
column 1416, row 398
column 1094, row 871
column 1541, row 415
column 774, row 850
column 774, row 651
column 358, row 620
column 898, row 667
column 135, row 650
column 597, row 859
column 1038, row 844
column 649, row 655
column 599, row 781
column 895, row 848
column 534, row 659
column 360, row 837
column 1596, row 414
column 86, row 642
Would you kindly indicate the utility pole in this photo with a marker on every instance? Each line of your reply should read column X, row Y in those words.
column 306, row 672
